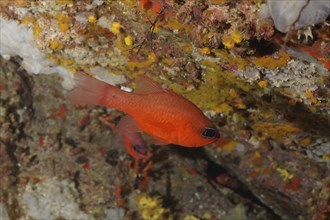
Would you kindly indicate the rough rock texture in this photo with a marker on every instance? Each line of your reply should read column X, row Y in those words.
column 271, row 101
column 59, row 160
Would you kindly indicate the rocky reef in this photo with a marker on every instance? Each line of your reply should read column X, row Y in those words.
column 267, row 92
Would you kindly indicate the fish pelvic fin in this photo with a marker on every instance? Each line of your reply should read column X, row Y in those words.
column 134, row 143
column 90, row 91
column 127, row 124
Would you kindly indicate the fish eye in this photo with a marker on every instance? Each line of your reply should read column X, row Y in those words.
column 210, row 133
column 139, row 149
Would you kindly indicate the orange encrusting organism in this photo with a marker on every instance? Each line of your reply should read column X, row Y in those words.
column 159, row 8
column 316, row 51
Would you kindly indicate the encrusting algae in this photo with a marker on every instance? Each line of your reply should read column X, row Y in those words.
column 270, row 62
column 151, row 208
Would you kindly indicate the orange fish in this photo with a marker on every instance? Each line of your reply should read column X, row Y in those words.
column 166, row 117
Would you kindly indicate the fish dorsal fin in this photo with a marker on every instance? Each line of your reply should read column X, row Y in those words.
column 145, row 85
column 173, row 93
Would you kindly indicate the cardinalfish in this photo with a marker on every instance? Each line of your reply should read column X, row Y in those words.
column 161, row 114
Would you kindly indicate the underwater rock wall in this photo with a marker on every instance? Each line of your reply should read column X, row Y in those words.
column 270, row 100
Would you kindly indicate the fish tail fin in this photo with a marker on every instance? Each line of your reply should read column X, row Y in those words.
column 89, row 90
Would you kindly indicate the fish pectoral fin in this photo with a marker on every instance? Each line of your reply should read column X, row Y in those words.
column 145, row 85
column 135, row 145
column 127, row 125
column 157, row 140
column 133, row 140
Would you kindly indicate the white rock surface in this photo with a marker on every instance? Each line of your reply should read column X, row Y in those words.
column 52, row 199
column 3, row 212
column 17, row 40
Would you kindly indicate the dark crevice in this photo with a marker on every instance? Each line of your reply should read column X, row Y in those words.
column 214, row 173
column 298, row 114
column 225, row 179
column 76, row 180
